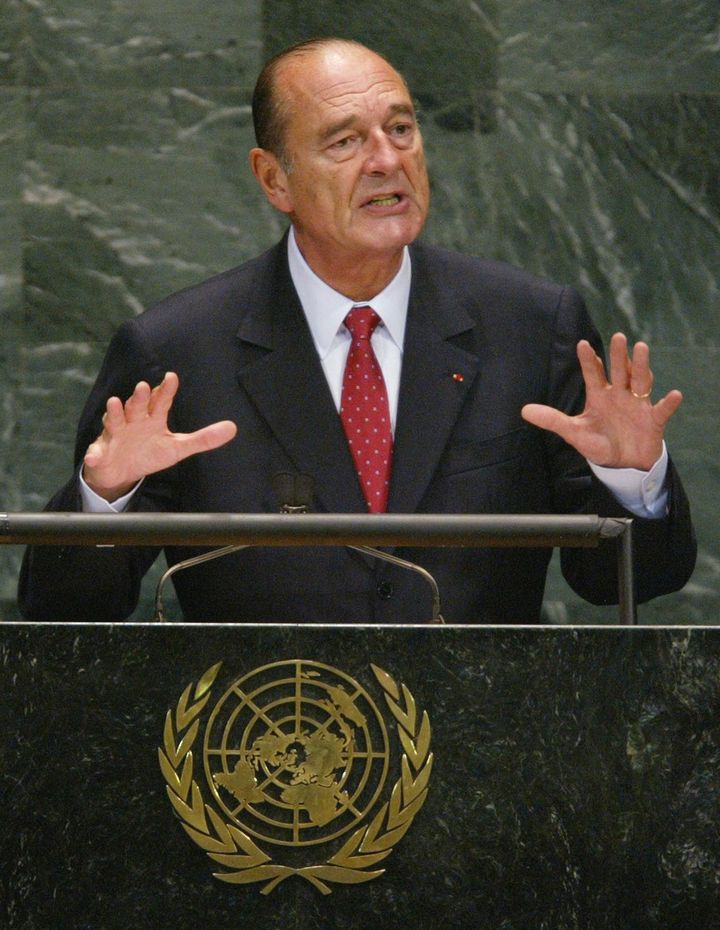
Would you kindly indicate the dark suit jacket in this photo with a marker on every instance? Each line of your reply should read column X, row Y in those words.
column 243, row 352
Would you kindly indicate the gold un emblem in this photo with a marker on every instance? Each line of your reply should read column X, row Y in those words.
column 295, row 759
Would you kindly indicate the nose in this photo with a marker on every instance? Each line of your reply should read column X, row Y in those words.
column 382, row 156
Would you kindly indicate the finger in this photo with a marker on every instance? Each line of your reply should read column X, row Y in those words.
column 619, row 361
column 162, row 396
column 591, row 365
column 666, row 407
column 207, row 438
column 136, row 406
column 641, row 377
column 114, row 416
column 548, row 418
column 93, row 454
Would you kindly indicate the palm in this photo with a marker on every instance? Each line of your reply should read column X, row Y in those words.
column 619, row 426
column 136, row 441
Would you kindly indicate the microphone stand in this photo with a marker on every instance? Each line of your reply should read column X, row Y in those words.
column 295, row 493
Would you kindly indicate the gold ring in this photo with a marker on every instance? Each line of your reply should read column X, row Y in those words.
column 640, row 396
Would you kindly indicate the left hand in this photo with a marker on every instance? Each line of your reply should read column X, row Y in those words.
column 620, row 427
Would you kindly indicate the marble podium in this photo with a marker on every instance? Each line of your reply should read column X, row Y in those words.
column 575, row 780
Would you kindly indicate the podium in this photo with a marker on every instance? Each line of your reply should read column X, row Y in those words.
column 171, row 775
column 575, row 778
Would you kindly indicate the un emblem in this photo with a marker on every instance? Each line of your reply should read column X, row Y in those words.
column 295, row 755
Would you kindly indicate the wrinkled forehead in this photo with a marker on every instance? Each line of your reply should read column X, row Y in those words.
column 339, row 78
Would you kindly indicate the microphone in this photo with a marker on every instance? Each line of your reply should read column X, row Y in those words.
column 294, row 492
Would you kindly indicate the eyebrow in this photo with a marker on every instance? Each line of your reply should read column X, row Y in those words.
column 395, row 109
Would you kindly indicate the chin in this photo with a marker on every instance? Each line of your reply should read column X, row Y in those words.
column 389, row 234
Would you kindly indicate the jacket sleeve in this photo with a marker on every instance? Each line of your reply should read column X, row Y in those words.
column 82, row 583
column 664, row 549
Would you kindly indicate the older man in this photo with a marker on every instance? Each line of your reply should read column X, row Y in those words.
column 398, row 376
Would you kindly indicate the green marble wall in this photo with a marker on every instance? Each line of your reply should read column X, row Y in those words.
column 577, row 139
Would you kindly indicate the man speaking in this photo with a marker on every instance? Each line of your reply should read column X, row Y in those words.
column 397, row 376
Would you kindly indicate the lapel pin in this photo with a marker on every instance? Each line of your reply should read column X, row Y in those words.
column 458, row 377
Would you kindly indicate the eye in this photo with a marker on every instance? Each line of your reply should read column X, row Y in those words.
column 344, row 143
column 402, row 131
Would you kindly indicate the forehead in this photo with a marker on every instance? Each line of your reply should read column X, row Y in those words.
column 336, row 82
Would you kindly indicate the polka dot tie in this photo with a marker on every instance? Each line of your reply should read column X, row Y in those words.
column 365, row 412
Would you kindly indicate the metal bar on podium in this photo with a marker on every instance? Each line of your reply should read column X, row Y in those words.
column 313, row 529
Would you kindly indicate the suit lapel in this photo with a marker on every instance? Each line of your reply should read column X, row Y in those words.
column 437, row 374
column 282, row 374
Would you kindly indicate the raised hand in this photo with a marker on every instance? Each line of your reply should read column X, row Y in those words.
column 620, row 427
column 136, row 442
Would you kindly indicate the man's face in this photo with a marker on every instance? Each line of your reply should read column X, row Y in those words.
column 357, row 188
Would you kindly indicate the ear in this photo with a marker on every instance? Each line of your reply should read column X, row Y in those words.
column 271, row 178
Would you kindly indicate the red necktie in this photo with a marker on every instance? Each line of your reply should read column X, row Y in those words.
column 365, row 412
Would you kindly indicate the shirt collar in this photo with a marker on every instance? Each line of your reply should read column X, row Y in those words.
column 325, row 308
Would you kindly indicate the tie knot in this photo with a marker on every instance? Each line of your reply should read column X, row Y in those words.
column 361, row 322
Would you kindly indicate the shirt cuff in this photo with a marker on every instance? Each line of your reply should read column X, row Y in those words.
column 643, row 493
column 93, row 503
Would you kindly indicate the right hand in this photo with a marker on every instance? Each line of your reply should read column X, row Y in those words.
column 136, row 442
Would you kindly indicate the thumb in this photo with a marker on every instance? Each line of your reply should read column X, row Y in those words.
column 547, row 418
column 208, row 438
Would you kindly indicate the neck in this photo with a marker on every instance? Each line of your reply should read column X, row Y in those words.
column 359, row 278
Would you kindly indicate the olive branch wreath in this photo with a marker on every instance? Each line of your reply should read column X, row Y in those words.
column 234, row 849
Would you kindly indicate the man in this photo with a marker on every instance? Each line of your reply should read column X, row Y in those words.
column 477, row 397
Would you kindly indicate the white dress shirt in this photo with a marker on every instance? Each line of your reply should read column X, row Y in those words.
column 325, row 309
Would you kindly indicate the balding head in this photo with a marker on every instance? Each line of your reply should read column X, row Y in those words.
column 272, row 104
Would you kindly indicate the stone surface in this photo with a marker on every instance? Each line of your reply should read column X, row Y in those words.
column 575, row 779
column 165, row 43
column 578, row 140
column 671, row 46
column 446, row 52
column 11, row 153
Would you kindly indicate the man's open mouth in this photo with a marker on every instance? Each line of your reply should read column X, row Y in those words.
column 388, row 200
